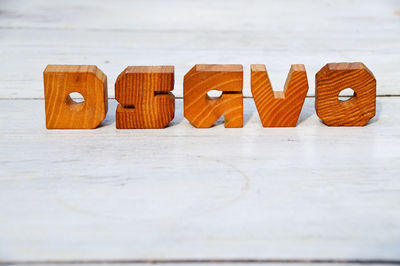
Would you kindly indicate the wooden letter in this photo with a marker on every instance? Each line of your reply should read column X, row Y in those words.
column 335, row 77
column 279, row 108
column 144, row 96
column 201, row 110
column 64, row 113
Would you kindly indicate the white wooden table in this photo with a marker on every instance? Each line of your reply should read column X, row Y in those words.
column 310, row 194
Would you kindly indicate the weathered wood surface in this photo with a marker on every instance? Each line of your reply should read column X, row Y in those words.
column 306, row 192
column 309, row 192
column 115, row 34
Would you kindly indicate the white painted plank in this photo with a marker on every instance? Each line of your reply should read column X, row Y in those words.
column 305, row 192
column 197, row 16
column 115, row 34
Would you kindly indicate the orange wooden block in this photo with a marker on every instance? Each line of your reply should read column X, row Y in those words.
column 144, row 96
column 203, row 111
column 279, row 108
column 64, row 113
column 335, row 77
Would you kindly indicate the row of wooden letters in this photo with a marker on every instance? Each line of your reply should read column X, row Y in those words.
column 146, row 101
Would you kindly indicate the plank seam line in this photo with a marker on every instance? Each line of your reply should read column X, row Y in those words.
column 181, row 98
column 111, row 30
column 206, row 261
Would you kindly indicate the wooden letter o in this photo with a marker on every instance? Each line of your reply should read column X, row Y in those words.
column 335, row 77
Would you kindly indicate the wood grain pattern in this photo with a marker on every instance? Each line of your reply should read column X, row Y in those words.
column 203, row 111
column 279, row 108
column 62, row 112
column 144, row 94
column 335, row 77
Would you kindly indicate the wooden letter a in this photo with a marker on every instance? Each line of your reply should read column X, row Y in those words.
column 201, row 110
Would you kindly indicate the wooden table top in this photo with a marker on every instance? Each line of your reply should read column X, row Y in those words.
column 181, row 195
